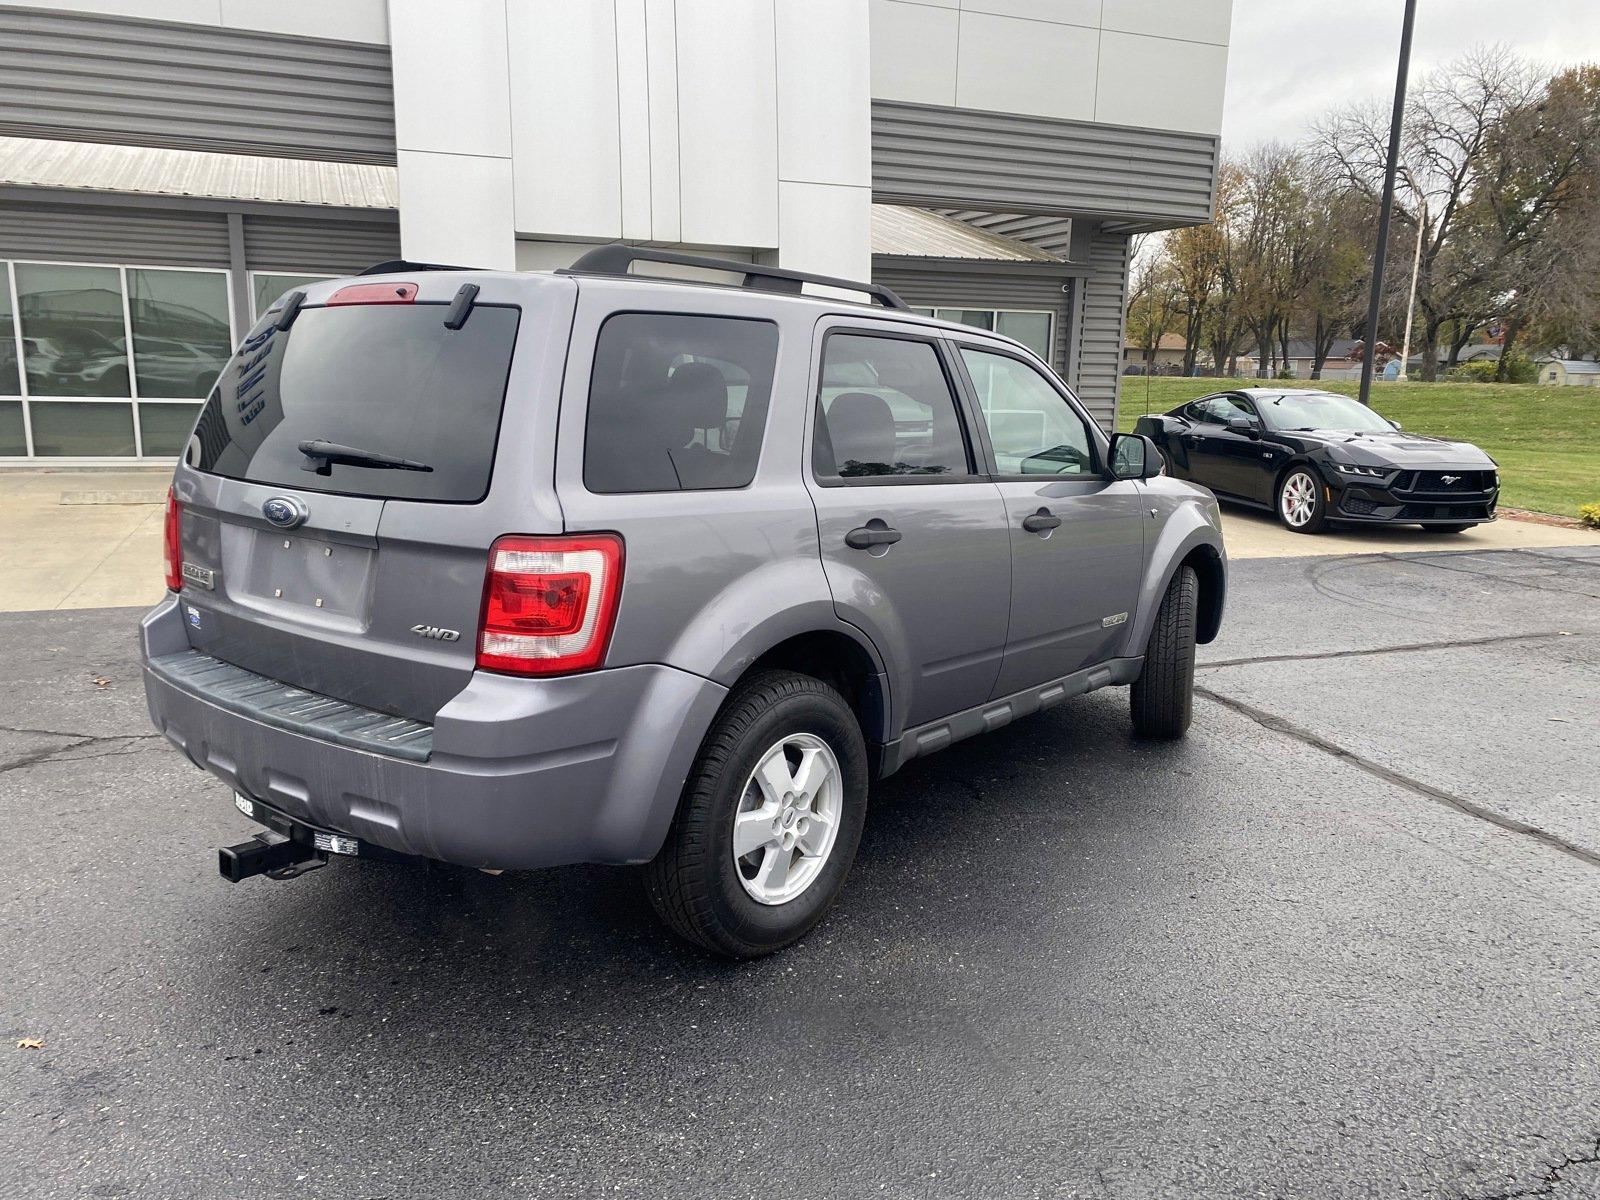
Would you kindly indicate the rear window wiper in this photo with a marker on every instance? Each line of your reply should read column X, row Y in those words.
column 322, row 455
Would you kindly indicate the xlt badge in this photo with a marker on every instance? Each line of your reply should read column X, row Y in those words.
column 436, row 633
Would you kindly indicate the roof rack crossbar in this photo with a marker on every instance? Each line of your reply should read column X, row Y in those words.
column 395, row 266
column 617, row 260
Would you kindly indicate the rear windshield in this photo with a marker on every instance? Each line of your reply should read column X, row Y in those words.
column 386, row 379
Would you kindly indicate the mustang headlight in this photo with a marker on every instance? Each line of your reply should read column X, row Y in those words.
column 1363, row 472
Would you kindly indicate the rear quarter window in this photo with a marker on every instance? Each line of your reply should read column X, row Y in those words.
column 677, row 402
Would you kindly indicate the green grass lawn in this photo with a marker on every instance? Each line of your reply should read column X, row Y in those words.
column 1546, row 439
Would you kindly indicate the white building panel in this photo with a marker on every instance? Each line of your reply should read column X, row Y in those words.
column 727, row 123
column 1161, row 84
column 1062, row 12
column 1192, row 20
column 633, row 118
column 456, row 208
column 1034, row 67
column 565, row 136
column 824, row 81
column 454, row 94
column 914, row 52
column 825, row 228
column 661, row 40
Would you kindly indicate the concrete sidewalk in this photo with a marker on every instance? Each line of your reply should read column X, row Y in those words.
column 91, row 538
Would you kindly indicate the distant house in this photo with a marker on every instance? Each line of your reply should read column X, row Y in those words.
column 1302, row 354
column 1169, row 353
column 1569, row 372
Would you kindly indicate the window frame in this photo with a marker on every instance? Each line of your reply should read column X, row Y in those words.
column 932, row 313
column 133, row 399
column 1099, row 443
column 976, row 472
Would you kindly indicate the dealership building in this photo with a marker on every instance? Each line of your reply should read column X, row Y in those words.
column 169, row 167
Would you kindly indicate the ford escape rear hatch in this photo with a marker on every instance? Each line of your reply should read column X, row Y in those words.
column 322, row 424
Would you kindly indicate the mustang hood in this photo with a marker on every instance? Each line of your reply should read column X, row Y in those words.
column 1396, row 448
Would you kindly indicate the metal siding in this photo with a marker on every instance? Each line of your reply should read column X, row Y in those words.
column 81, row 233
column 935, row 284
column 1053, row 234
column 320, row 247
column 1103, row 317
column 940, row 157
column 89, row 77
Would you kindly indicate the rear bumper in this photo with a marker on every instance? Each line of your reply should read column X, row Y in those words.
column 521, row 773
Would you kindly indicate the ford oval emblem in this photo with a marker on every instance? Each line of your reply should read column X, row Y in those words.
column 285, row 511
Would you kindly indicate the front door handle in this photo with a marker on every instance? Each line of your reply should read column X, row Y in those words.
column 865, row 537
column 1042, row 521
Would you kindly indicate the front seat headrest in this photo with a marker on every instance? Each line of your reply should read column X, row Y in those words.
column 861, row 428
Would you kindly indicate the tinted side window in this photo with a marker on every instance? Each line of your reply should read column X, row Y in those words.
column 1218, row 409
column 1033, row 429
column 677, row 402
column 885, row 408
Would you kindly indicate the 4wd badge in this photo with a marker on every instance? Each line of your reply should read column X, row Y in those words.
column 436, row 633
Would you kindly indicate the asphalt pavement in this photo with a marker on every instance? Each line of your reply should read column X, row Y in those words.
column 1342, row 941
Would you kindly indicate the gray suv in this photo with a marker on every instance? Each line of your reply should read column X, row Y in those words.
column 512, row 570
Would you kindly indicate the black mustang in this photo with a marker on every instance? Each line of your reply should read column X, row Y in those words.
column 1315, row 457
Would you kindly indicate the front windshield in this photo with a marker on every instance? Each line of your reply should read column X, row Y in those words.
column 1319, row 410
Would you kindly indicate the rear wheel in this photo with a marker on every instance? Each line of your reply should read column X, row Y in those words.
column 1301, row 506
column 1162, row 698
column 769, row 821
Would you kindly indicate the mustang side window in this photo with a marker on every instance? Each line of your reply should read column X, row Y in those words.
column 1033, row 429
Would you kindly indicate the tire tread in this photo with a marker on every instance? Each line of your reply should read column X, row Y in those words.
column 1162, row 698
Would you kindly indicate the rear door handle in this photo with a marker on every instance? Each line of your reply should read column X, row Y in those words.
column 865, row 537
column 1042, row 521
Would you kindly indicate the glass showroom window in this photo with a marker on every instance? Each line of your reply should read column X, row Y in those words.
column 68, row 385
column 1029, row 327
column 265, row 287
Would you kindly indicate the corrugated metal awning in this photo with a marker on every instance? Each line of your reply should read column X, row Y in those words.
column 918, row 233
column 157, row 171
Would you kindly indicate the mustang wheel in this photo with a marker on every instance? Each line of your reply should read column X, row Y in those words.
column 769, row 821
column 1300, row 503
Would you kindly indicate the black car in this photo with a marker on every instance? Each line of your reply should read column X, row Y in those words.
column 1314, row 457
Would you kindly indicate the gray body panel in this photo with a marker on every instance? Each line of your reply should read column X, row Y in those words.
column 966, row 625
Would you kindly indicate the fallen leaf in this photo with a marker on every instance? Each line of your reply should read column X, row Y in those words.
column 101, row 681
column 30, row 1043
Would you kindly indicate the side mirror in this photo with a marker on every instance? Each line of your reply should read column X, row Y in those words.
column 1396, row 424
column 1134, row 456
column 1244, row 425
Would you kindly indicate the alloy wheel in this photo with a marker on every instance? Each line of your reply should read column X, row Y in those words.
column 1297, row 502
column 787, row 819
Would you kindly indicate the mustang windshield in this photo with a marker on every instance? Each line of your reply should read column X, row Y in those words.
column 1320, row 410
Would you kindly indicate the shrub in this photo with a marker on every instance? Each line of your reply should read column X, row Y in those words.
column 1519, row 369
column 1589, row 514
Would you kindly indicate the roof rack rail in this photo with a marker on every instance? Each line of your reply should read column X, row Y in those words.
column 617, row 260
column 395, row 265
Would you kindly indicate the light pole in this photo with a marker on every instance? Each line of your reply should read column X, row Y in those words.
column 1411, row 296
column 1395, row 122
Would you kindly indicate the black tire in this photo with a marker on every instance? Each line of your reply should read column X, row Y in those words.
column 694, row 883
column 1162, row 698
column 1318, row 519
column 1446, row 528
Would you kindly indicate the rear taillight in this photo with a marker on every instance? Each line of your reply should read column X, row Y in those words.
column 172, row 543
column 549, row 603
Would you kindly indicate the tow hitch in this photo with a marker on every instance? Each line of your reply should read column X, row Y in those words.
column 270, row 854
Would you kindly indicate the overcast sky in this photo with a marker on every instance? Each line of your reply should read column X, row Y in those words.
column 1292, row 59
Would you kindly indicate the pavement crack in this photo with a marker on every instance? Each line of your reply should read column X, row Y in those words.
column 1553, row 1177
column 1406, row 648
column 74, row 741
column 1469, row 808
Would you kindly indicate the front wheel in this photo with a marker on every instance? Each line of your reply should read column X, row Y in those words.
column 1301, row 506
column 769, row 822
column 1162, row 698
